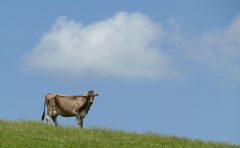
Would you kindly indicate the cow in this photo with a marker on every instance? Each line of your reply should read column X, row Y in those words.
column 68, row 106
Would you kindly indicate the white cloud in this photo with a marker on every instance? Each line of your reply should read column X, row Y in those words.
column 133, row 45
column 215, row 53
column 124, row 45
column 221, row 51
column 222, row 45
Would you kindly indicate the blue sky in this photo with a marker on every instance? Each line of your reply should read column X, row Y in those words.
column 170, row 67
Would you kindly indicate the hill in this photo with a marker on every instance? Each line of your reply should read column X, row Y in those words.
column 37, row 134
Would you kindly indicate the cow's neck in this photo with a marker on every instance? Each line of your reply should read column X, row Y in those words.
column 87, row 105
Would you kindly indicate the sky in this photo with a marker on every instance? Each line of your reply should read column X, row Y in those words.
column 168, row 67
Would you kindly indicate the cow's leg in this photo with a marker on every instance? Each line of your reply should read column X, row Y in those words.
column 79, row 120
column 47, row 118
column 48, row 114
column 54, row 118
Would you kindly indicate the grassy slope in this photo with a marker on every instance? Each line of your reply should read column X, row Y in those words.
column 36, row 134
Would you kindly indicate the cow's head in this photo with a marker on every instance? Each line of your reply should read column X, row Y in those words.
column 90, row 94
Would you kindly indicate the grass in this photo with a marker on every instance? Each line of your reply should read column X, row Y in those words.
column 36, row 134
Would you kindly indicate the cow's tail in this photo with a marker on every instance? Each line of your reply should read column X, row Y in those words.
column 43, row 115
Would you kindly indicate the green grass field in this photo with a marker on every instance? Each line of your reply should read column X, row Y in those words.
column 37, row 134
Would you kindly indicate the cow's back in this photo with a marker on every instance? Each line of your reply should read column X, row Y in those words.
column 52, row 96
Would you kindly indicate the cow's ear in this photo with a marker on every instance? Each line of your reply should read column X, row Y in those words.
column 96, row 94
column 85, row 94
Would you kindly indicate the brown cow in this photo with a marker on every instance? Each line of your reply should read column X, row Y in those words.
column 68, row 106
